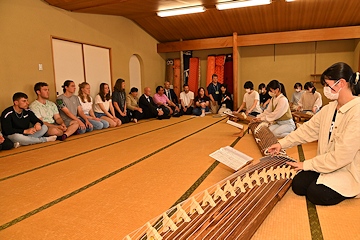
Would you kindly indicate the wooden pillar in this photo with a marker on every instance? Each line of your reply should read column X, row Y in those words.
column 181, row 69
column 235, row 69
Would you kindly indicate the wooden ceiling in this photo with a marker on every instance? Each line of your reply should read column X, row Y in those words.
column 279, row 16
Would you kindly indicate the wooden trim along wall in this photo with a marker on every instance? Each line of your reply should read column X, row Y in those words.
column 235, row 70
column 311, row 35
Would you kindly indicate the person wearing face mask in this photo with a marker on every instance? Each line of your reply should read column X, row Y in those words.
column 250, row 101
column 334, row 174
column 295, row 97
column 310, row 100
column 264, row 96
column 278, row 111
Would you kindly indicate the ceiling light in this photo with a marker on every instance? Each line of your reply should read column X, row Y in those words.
column 289, row 0
column 239, row 4
column 180, row 11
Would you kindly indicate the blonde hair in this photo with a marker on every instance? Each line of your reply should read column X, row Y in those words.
column 81, row 94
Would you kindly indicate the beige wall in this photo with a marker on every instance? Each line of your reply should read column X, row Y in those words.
column 26, row 27
column 291, row 63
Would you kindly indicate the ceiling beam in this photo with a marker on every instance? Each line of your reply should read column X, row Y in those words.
column 311, row 35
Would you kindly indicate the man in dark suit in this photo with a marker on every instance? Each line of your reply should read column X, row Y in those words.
column 150, row 109
column 170, row 93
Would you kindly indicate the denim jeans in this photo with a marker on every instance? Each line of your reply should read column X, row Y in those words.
column 198, row 111
column 96, row 124
column 27, row 139
column 282, row 128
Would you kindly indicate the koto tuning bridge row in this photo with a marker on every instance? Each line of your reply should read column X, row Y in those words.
column 242, row 184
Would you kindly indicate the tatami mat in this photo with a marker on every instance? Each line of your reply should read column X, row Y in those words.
column 105, row 184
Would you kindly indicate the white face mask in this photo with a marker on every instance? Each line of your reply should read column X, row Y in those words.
column 329, row 94
column 297, row 90
column 271, row 94
column 247, row 90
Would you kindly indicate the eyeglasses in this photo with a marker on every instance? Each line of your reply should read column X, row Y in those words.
column 327, row 85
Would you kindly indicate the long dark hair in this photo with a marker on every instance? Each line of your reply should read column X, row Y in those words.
column 310, row 85
column 102, row 92
column 341, row 70
column 66, row 84
column 199, row 92
column 275, row 84
column 118, row 85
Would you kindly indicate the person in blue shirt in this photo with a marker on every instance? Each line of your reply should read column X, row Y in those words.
column 214, row 93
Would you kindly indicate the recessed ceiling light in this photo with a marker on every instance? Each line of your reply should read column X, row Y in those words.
column 180, row 11
column 239, row 4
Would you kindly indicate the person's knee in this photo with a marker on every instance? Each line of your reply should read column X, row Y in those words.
column 74, row 123
column 54, row 131
column 298, row 187
column 105, row 124
column 44, row 128
column 97, row 125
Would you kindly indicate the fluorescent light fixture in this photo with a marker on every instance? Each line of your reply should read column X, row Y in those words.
column 239, row 4
column 180, row 11
column 289, row 0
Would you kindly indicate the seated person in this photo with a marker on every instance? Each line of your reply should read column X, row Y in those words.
column 103, row 107
column 214, row 93
column 334, row 174
column 15, row 123
column 264, row 96
column 310, row 100
column 250, row 101
column 135, row 113
column 70, row 108
column 295, row 97
column 119, row 101
column 86, row 102
column 149, row 107
column 225, row 101
column 6, row 143
column 170, row 93
column 278, row 112
column 202, row 103
column 186, row 101
column 161, row 100
column 48, row 113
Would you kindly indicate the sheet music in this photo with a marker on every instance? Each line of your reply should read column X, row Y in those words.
column 231, row 157
column 232, row 123
column 230, row 114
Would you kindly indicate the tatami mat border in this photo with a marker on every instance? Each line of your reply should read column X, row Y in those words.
column 78, row 137
column 315, row 227
column 35, row 211
column 187, row 194
column 94, row 149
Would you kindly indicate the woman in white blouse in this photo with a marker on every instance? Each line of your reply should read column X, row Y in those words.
column 278, row 111
column 334, row 174
column 103, row 107
column 87, row 107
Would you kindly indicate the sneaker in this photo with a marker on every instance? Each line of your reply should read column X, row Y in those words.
column 202, row 115
column 61, row 138
column 16, row 145
column 51, row 138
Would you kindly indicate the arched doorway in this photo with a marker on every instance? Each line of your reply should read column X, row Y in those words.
column 135, row 73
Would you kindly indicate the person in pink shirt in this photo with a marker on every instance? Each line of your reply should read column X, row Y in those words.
column 162, row 100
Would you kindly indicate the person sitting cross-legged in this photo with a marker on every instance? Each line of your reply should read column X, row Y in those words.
column 161, row 100
column 150, row 109
column 70, row 108
column 186, row 100
column 135, row 113
column 48, row 112
column 16, row 120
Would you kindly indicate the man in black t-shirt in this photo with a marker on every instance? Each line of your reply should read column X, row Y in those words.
column 15, row 123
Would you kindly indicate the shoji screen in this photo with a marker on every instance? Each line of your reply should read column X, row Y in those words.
column 97, row 67
column 68, row 63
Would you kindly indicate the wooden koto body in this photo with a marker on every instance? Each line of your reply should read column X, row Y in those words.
column 302, row 116
column 264, row 138
column 231, row 209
